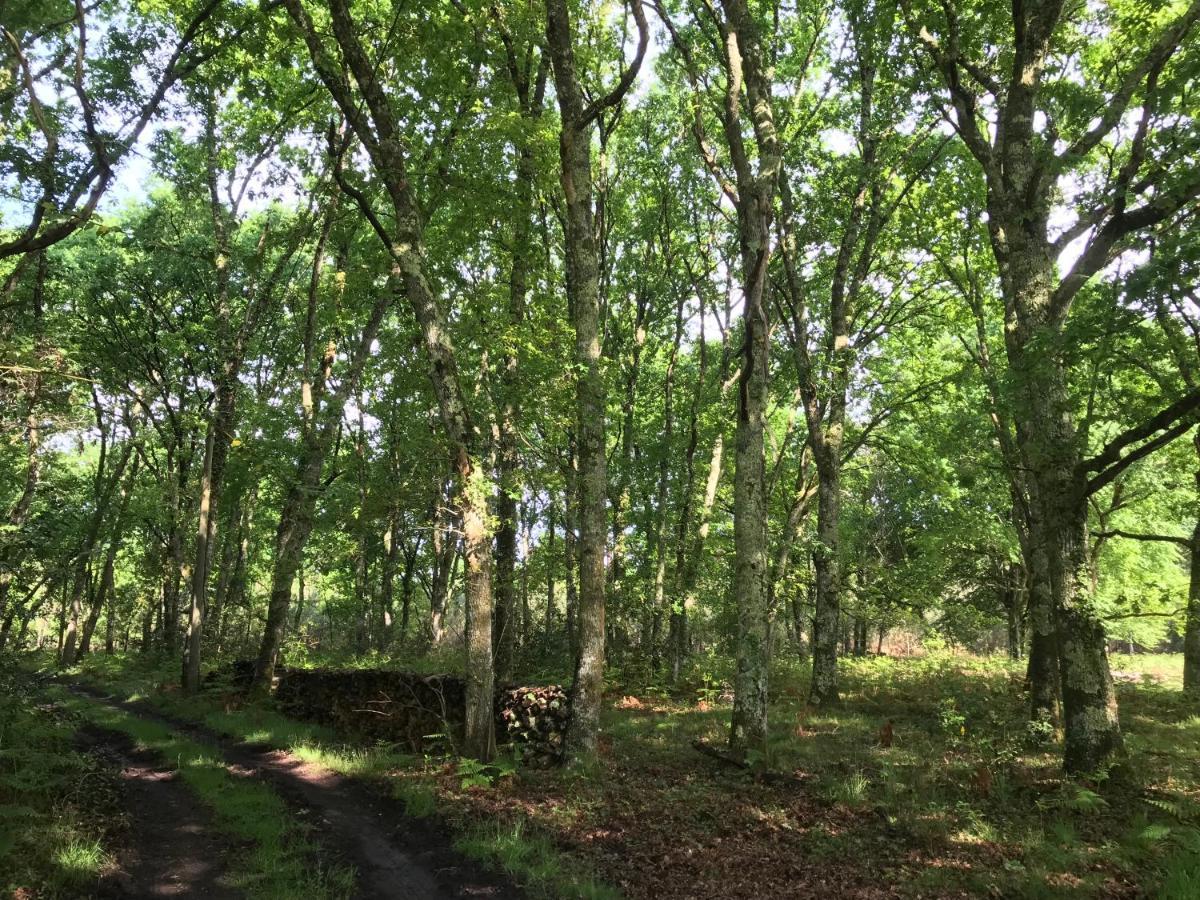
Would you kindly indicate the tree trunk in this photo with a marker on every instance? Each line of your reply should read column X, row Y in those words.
column 571, row 617
column 549, row 558
column 79, row 583
column 103, row 595
column 387, row 581
column 583, row 289
column 406, row 587
column 1191, row 633
column 444, row 549
column 506, row 557
column 825, row 566
column 655, row 613
column 321, row 414
column 745, row 62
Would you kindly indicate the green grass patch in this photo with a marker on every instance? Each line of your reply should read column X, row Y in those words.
column 532, row 861
column 58, row 806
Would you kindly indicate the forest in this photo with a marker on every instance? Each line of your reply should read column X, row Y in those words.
column 599, row 448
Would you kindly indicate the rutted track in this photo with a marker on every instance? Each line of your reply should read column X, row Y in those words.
column 397, row 857
column 172, row 849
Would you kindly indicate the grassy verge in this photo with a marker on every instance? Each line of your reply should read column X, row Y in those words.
column 279, row 863
column 57, row 805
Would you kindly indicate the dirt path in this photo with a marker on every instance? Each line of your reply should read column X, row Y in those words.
column 397, row 857
column 172, row 849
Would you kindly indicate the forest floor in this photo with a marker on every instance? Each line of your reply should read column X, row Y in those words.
column 964, row 802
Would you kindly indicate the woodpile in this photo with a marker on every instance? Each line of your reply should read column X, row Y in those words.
column 415, row 711
column 534, row 719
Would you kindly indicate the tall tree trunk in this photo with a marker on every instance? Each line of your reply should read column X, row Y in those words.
column 229, row 540
column 387, row 580
column 655, row 613
column 367, row 108
column 1191, row 633
column 506, row 558
column 296, row 516
column 527, row 515
column 621, row 500
column 827, row 614
column 406, row 586
column 102, row 596
column 583, row 288
column 570, row 533
column 746, row 64
column 444, row 553
column 549, row 558
column 106, row 589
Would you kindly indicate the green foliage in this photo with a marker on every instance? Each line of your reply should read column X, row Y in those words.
column 474, row 773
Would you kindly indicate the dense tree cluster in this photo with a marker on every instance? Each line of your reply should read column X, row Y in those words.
column 563, row 336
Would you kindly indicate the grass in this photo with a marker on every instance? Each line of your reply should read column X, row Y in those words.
column 279, row 861
column 532, row 861
column 58, row 810
column 513, row 846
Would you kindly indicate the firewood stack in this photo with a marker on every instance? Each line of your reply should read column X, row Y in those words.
column 534, row 719
column 415, row 711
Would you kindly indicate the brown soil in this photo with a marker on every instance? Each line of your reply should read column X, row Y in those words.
column 395, row 855
column 170, row 847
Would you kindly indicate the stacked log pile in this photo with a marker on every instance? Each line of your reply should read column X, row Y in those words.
column 399, row 707
column 414, row 711
column 534, row 719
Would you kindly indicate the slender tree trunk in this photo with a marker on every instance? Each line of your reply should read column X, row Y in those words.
column 583, row 288
column 1191, row 634
column 103, row 595
column 746, row 63
column 825, row 565
column 387, row 580
column 444, row 551
column 200, row 567
column 229, row 539
column 506, row 556
column 549, row 557
column 526, row 544
column 661, row 504
column 406, row 587
column 79, row 583
column 322, row 411
column 570, row 556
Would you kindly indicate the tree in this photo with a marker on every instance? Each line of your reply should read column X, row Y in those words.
column 575, row 149
column 1043, row 133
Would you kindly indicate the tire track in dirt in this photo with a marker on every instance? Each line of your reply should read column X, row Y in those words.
column 172, row 848
column 397, row 857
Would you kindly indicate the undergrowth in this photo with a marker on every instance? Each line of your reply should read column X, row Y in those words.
column 57, row 804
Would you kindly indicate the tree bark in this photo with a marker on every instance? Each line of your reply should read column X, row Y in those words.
column 583, row 287
column 745, row 63
column 75, row 608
